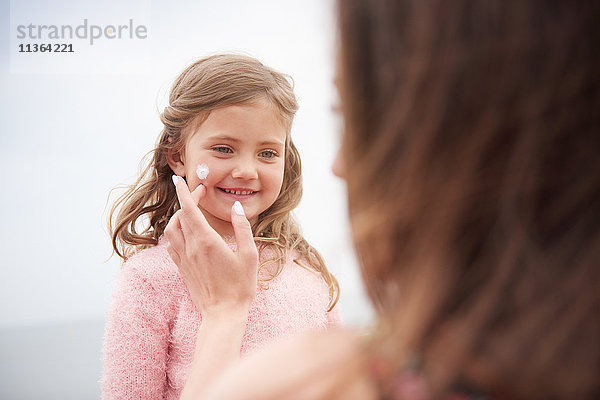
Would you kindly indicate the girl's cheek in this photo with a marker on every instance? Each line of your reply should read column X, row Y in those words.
column 208, row 182
column 277, row 175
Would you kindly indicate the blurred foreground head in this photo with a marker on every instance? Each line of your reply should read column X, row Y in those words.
column 472, row 155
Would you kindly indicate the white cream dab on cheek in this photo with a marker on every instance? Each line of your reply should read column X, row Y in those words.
column 202, row 171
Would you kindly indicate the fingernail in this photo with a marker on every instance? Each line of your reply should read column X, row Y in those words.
column 175, row 179
column 237, row 207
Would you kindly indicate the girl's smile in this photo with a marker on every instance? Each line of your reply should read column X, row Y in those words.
column 243, row 146
column 238, row 193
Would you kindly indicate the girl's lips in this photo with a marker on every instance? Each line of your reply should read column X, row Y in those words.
column 238, row 193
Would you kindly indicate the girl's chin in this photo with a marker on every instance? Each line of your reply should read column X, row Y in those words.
column 223, row 213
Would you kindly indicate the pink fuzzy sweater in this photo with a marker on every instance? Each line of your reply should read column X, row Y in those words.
column 152, row 323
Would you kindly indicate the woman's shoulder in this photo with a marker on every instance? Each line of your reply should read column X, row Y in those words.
column 312, row 366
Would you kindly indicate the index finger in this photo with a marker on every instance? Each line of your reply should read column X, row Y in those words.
column 198, row 193
column 189, row 207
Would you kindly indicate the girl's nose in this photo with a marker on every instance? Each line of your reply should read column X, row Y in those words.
column 245, row 169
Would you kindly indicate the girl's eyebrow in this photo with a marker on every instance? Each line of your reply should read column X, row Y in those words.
column 223, row 137
column 271, row 143
column 236, row 140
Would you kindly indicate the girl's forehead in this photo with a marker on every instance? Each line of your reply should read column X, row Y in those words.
column 258, row 122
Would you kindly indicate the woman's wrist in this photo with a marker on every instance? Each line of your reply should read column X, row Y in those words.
column 226, row 314
column 218, row 344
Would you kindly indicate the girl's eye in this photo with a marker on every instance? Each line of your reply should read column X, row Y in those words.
column 268, row 154
column 222, row 149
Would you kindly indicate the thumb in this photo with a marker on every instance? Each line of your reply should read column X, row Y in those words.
column 198, row 193
column 243, row 233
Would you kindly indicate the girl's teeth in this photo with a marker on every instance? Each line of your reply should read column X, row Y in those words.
column 238, row 192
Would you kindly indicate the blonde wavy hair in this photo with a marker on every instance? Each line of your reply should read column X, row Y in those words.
column 139, row 216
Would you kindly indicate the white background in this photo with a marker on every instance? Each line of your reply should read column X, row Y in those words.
column 68, row 138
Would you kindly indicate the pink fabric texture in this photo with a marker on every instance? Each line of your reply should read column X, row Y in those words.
column 152, row 323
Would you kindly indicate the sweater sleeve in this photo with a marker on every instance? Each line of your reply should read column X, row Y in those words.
column 334, row 318
column 136, row 339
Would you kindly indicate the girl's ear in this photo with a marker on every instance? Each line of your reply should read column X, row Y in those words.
column 176, row 162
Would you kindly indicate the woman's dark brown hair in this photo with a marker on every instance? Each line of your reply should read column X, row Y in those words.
column 476, row 210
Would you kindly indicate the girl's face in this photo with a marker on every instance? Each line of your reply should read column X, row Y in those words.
column 244, row 148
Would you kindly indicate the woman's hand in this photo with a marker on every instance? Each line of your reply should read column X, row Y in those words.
column 217, row 277
column 221, row 282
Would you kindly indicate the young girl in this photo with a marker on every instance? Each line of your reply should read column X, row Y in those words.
column 226, row 132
